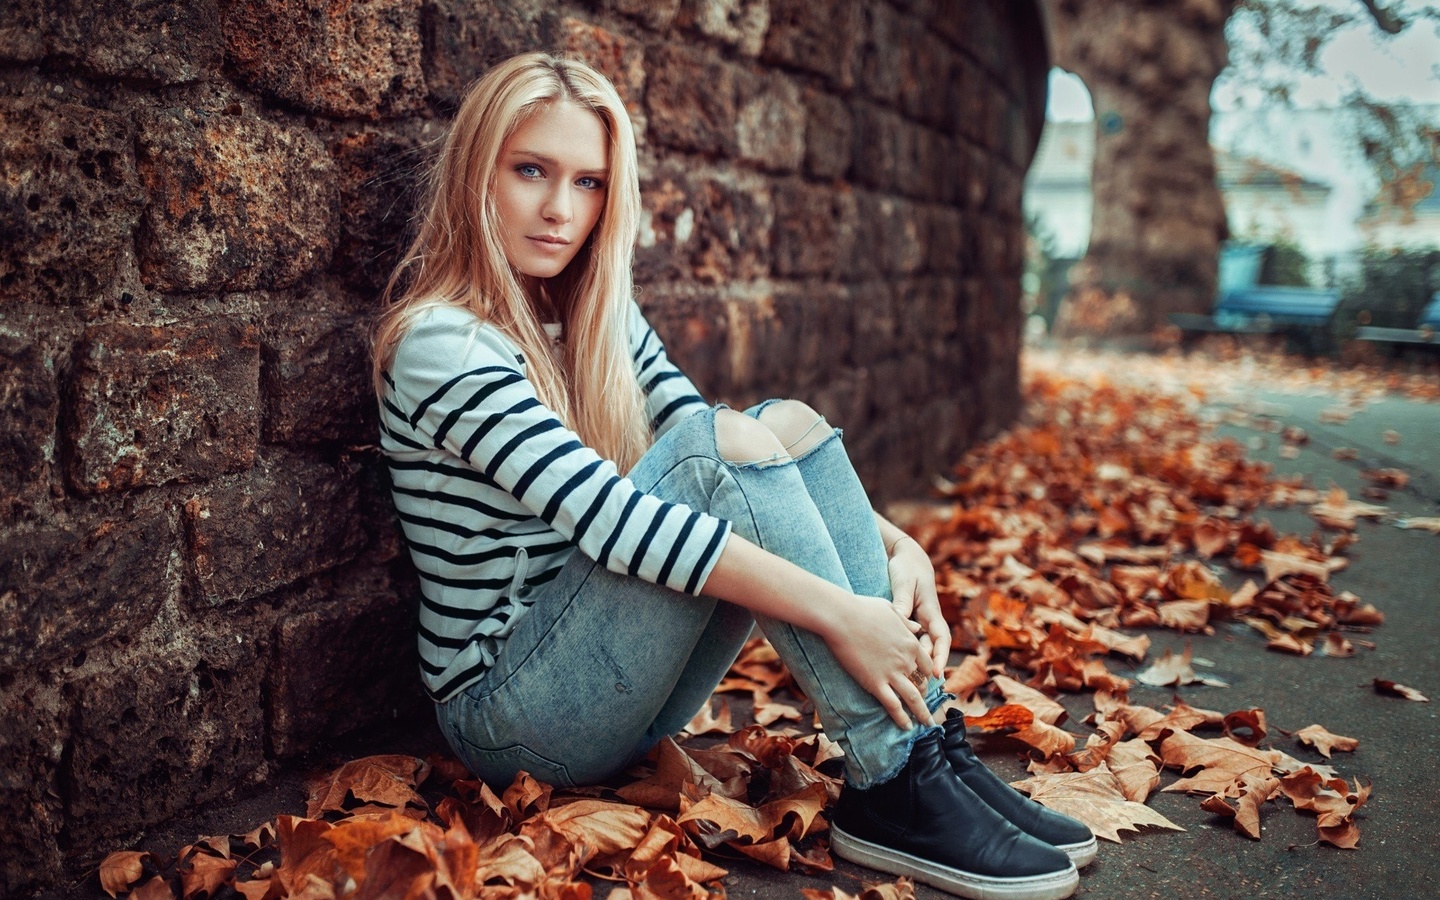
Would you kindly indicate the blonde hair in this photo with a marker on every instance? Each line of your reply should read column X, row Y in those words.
column 458, row 257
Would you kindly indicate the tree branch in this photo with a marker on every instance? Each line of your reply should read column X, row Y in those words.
column 1387, row 20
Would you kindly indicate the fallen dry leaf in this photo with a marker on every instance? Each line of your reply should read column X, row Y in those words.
column 707, row 721
column 1095, row 798
column 121, row 869
column 1337, row 510
column 901, row 889
column 1251, row 793
column 1323, row 741
column 1391, row 689
column 1337, row 646
column 381, row 780
column 156, row 888
column 1136, row 769
column 1428, row 523
column 1045, row 709
column 1246, row 726
column 1173, row 670
column 203, row 875
column 1332, row 801
column 1220, row 762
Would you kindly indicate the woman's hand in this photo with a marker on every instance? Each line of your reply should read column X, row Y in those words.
column 912, row 585
column 877, row 649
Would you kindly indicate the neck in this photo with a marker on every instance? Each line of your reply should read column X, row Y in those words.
column 541, row 304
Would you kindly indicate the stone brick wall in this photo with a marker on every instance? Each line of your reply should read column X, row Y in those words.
column 199, row 200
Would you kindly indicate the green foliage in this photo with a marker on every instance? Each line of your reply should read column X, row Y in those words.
column 1391, row 289
column 1286, row 264
column 1046, row 274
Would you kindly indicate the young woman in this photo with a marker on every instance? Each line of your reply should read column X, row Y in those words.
column 595, row 542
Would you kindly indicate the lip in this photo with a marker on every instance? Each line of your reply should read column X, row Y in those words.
column 548, row 240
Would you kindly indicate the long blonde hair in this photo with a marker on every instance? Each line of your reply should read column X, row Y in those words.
column 458, row 258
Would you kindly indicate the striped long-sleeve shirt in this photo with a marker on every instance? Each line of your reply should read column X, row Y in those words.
column 494, row 493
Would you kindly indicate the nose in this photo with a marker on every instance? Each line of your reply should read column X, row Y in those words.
column 559, row 208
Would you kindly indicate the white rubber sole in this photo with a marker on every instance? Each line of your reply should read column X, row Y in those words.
column 1053, row 886
column 1081, row 855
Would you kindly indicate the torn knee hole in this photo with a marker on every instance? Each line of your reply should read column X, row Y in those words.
column 741, row 440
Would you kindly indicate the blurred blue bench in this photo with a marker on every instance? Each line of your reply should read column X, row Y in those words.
column 1244, row 306
column 1424, row 332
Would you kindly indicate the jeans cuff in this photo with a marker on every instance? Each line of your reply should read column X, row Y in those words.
column 936, row 695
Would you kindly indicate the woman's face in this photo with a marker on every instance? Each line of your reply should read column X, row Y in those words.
column 550, row 187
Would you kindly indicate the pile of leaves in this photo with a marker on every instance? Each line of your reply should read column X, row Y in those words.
column 369, row 832
column 1109, row 509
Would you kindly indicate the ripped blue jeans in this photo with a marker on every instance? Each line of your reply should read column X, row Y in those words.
column 604, row 665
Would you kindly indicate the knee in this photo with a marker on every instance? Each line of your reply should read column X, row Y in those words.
column 794, row 424
column 740, row 438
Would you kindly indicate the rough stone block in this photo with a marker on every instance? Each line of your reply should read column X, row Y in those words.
column 844, row 399
column 156, row 404
column 820, row 36
column 315, row 375
column 964, row 116
column 28, row 404
column 893, row 230
column 618, row 58
column 463, row 38
column 917, row 168
column 288, row 518
column 159, row 43
column 755, row 342
column 976, row 186
column 925, row 81
column 379, row 189
column 691, row 100
column 711, row 225
column 876, row 145
column 770, row 129
column 692, row 324
column 656, row 14
column 67, row 588
column 815, row 229
column 873, row 311
column 950, row 180
column 881, row 52
column 739, row 23
column 33, row 735
column 159, row 733
column 952, row 21
column 69, row 199
column 343, row 665
column 986, row 34
column 236, row 202
column 813, row 334
column 359, row 59
column 945, row 241
column 828, row 128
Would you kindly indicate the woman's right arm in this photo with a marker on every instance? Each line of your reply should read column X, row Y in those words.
column 869, row 638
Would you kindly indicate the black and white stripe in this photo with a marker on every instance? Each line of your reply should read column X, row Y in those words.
column 494, row 493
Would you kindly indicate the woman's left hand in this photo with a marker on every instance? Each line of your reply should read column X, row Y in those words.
column 912, row 585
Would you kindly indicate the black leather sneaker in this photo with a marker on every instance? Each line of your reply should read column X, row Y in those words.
column 1056, row 829
column 926, row 824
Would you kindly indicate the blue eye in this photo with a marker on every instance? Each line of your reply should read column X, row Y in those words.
column 591, row 184
column 528, row 170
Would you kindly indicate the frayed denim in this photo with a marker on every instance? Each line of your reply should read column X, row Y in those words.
column 603, row 666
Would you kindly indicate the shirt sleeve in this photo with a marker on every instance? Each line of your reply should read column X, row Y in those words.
column 471, row 399
column 669, row 395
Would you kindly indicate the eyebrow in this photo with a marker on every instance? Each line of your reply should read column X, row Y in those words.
column 554, row 163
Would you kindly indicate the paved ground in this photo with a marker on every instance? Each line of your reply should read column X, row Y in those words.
column 1397, row 570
